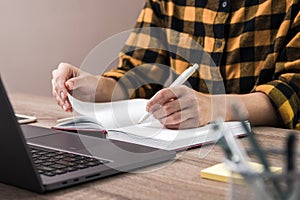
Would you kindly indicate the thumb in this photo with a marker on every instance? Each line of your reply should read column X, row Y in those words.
column 72, row 83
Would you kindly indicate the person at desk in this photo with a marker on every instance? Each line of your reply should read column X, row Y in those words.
column 255, row 46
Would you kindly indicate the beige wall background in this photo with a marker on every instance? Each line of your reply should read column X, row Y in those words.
column 36, row 35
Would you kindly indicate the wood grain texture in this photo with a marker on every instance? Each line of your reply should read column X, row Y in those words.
column 179, row 179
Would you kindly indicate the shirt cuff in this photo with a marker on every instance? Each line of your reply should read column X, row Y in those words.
column 117, row 74
column 129, row 84
column 284, row 99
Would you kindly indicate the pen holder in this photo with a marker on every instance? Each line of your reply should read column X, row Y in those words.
column 266, row 185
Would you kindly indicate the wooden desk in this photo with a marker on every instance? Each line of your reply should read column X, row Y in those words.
column 177, row 180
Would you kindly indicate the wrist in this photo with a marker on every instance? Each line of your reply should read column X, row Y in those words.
column 236, row 109
column 228, row 107
column 108, row 90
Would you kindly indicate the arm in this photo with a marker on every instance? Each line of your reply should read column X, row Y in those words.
column 284, row 89
column 181, row 107
column 258, row 107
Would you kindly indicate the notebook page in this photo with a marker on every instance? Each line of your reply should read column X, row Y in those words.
column 111, row 115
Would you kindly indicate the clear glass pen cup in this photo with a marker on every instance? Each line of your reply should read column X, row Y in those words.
column 279, row 183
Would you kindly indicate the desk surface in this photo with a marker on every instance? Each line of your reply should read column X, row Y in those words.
column 177, row 180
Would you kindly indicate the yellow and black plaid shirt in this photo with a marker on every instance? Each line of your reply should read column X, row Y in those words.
column 254, row 45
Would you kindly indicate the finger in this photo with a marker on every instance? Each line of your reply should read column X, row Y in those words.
column 58, row 99
column 74, row 83
column 62, row 101
column 56, row 94
column 68, row 108
column 65, row 105
column 68, row 70
column 58, row 85
column 175, row 105
column 160, row 98
column 70, row 84
column 177, row 117
column 172, row 120
column 190, row 123
column 167, row 109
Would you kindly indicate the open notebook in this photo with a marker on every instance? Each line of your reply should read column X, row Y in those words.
column 119, row 120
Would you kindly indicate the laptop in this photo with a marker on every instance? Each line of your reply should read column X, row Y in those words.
column 41, row 159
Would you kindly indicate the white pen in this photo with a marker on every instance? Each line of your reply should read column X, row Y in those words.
column 179, row 81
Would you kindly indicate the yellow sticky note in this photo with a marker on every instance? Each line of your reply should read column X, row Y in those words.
column 220, row 172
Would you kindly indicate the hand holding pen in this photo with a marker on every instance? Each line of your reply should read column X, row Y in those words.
column 169, row 104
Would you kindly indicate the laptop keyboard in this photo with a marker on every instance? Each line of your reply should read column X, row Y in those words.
column 53, row 162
